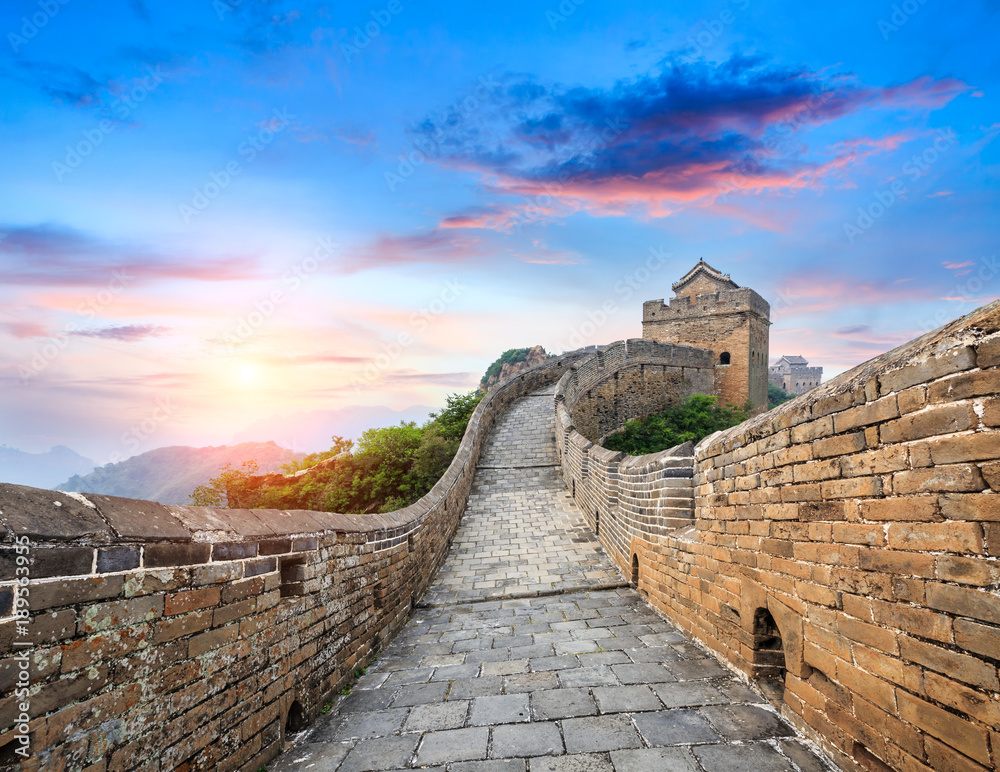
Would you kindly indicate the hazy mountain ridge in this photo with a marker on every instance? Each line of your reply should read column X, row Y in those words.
column 169, row 475
column 42, row 470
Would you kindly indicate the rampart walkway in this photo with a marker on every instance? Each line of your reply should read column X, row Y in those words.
column 583, row 677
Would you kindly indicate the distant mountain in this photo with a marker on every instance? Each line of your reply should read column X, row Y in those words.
column 41, row 470
column 310, row 431
column 169, row 475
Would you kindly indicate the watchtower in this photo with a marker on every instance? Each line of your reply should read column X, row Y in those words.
column 709, row 310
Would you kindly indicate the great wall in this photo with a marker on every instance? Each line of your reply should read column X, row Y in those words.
column 536, row 610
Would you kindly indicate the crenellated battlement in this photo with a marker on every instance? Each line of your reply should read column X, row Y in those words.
column 742, row 300
column 711, row 311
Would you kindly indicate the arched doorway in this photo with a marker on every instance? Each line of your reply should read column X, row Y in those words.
column 768, row 656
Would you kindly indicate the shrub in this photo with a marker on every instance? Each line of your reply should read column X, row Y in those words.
column 694, row 419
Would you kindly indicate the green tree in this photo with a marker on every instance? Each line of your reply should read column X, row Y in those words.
column 231, row 488
column 692, row 420
column 451, row 420
column 339, row 445
column 776, row 396
column 388, row 468
column 384, row 457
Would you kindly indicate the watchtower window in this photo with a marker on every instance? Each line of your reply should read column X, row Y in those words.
column 724, row 358
column 635, row 571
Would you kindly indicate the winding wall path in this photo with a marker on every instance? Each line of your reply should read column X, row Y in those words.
column 555, row 673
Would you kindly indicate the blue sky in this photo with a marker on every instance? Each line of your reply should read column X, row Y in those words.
column 249, row 209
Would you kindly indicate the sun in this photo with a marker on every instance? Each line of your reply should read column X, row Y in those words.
column 248, row 374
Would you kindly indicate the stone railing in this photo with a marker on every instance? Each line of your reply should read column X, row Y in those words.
column 141, row 636
column 845, row 550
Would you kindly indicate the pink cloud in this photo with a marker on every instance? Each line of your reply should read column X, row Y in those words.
column 543, row 255
column 815, row 293
column 26, row 329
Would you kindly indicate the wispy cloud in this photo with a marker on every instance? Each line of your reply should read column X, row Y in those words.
column 818, row 292
column 542, row 254
column 49, row 255
column 433, row 246
column 128, row 333
column 22, row 329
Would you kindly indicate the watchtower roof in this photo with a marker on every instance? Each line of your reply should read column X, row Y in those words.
column 703, row 269
column 794, row 360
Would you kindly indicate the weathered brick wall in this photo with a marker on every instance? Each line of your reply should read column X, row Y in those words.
column 631, row 379
column 846, row 544
column 627, row 498
column 163, row 638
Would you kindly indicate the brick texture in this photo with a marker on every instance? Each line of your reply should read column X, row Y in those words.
column 858, row 526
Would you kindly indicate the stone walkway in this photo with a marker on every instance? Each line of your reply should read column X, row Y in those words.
column 590, row 680
column 521, row 533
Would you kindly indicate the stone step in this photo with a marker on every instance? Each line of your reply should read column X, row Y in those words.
column 675, row 502
column 676, row 482
column 675, row 511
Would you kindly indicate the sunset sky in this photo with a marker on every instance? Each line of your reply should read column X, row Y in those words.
column 214, row 213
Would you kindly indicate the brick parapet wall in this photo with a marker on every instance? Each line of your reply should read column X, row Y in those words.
column 628, row 498
column 847, row 543
column 168, row 637
column 631, row 379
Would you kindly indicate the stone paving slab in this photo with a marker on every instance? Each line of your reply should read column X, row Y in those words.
column 521, row 533
column 590, row 680
column 516, row 714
